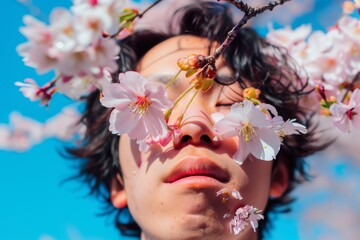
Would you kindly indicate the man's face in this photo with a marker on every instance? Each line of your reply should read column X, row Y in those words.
column 171, row 190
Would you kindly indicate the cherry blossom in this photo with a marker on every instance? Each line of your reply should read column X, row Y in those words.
column 65, row 47
column 138, row 107
column 287, row 37
column 64, row 125
column 14, row 140
column 237, row 225
column 99, row 15
column 226, row 193
column 253, row 129
column 32, row 91
column 76, row 87
column 344, row 114
column 22, row 134
column 290, row 127
column 244, row 215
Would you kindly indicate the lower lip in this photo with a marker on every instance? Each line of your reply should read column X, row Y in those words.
column 197, row 181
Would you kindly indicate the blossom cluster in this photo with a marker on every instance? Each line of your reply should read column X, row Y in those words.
column 25, row 132
column 243, row 215
column 73, row 46
column 331, row 62
column 139, row 108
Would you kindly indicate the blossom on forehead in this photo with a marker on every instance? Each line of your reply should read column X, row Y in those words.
column 138, row 105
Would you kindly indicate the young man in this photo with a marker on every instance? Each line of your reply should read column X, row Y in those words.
column 171, row 191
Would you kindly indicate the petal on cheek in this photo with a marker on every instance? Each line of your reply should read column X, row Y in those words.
column 120, row 122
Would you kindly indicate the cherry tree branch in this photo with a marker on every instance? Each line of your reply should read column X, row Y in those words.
column 351, row 86
column 139, row 15
column 249, row 12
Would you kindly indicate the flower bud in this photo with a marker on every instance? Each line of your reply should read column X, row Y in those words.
column 193, row 61
column 251, row 93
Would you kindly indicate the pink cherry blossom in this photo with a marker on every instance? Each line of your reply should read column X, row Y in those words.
column 31, row 90
column 103, row 53
column 290, row 127
column 237, row 225
column 225, row 193
column 36, row 31
column 287, row 37
column 344, row 114
column 253, row 129
column 76, row 87
column 22, row 133
column 138, row 107
column 252, row 213
column 243, row 216
column 64, row 125
column 350, row 27
column 64, row 46
column 99, row 15
column 14, row 140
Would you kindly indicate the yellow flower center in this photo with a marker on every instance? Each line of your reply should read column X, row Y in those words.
column 140, row 106
column 247, row 131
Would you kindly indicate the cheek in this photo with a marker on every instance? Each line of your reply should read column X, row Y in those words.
column 139, row 180
column 258, row 174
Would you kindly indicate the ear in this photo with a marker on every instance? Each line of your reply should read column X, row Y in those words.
column 117, row 193
column 280, row 180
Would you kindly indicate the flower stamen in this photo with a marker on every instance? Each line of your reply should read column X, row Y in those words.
column 140, row 106
column 247, row 131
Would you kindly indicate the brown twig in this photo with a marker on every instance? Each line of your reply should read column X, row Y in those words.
column 249, row 12
column 148, row 8
column 350, row 88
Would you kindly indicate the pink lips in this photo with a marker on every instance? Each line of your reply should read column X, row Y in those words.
column 197, row 170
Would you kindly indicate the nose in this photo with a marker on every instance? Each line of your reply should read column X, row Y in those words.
column 196, row 129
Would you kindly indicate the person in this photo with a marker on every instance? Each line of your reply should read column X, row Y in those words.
column 163, row 203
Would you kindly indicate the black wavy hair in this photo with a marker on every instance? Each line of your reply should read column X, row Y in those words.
column 277, row 79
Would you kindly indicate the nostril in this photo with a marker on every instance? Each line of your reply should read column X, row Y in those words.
column 206, row 139
column 185, row 139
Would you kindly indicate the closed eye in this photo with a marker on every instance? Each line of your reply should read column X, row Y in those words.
column 224, row 104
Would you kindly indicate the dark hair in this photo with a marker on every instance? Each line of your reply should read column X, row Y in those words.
column 277, row 79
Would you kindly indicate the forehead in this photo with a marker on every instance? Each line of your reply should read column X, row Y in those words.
column 166, row 53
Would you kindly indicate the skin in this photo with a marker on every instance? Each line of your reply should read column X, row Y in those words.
column 190, row 209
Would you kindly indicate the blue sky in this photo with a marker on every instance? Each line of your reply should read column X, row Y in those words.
column 34, row 204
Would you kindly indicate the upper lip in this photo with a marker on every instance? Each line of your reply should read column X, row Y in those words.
column 197, row 166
